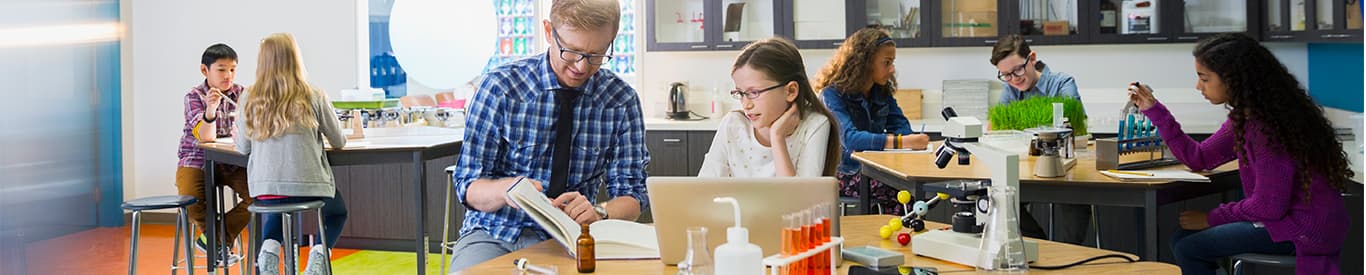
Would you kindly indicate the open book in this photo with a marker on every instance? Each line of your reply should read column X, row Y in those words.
column 1151, row 175
column 614, row 239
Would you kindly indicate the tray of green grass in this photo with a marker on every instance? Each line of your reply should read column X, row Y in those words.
column 367, row 104
column 1037, row 111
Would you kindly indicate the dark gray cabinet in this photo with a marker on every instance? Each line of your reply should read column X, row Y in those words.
column 688, row 25
column 699, row 142
column 1312, row 20
column 823, row 24
column 668, row 153
column 677, row 153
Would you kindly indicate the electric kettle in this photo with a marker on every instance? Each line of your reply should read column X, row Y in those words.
column 678, row 102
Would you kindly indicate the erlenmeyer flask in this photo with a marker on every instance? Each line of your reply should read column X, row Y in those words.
column 697, row 261
column 1002, row 249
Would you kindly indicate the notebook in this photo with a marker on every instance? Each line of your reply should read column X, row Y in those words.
column 1157, row 175
column 614, row 239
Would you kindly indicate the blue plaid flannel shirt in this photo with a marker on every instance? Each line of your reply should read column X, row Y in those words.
column 510, row 132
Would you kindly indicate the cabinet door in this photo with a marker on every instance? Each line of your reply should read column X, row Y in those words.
column 905, row 19
column 699, row 142
column 1204, row 18
column 1135, row 21
column 819, row 24
column 679, row 25
column 744, row 21
column 668, row 153
column 1312, row 21
column 1337, row 20
column 1050, row 22
column 969, row 22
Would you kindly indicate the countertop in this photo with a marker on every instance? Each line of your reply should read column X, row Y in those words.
column 664, row 124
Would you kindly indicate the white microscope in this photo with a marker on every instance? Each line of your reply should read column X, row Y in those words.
column 998, row 246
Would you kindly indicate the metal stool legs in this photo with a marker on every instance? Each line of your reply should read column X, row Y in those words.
column 288, row 247
column 133, row 248
column 182, row 230
column 446, row 222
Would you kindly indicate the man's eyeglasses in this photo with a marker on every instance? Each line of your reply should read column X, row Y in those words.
column 575, row 56
column 739, row 94
column 1019, row 71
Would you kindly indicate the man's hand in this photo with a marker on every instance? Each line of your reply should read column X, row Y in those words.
column 507, row 183
column 577, row 207
column 1194, row 220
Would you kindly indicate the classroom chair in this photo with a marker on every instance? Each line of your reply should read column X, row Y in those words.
column 289, row 250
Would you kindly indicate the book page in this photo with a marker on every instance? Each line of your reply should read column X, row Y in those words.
column 615, row 239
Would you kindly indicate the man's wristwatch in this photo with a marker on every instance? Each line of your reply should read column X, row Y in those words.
column 602, row 211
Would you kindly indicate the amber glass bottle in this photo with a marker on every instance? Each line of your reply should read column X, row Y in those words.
column 587, row 258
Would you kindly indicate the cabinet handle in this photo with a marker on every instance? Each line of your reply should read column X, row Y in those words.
column 673, row 140
column 1160, row 38
column 698, row 46
column 1187, row 37
column 992, row 41
column 725, row 46
column 1282, row 36
column 1026, row 41
column 837, row 44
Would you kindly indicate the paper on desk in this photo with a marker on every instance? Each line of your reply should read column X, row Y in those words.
column 1176, row 175
column 928, row 149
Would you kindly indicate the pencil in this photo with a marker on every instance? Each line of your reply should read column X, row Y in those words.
column 1145, row 174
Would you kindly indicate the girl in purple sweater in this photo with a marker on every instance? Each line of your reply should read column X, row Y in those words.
column 1292, row 167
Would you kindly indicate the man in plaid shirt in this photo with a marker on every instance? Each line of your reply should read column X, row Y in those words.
column 207, row 117
column 555, row 121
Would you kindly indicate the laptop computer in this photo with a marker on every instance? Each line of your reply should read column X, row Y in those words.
column 681, row 202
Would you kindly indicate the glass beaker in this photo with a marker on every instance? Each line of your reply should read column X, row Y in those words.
column 1002, row 248
column 697, row 261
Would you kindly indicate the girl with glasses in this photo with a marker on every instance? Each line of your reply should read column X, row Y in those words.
column 781, row 129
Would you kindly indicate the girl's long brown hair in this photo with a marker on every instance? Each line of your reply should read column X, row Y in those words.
column 1261, row 89
column 778, row 59
column 849, row 69
column 280, row 99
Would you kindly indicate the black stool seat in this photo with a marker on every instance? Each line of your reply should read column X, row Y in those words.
column 285, row 207
column 158, row 202
column 1266, row 259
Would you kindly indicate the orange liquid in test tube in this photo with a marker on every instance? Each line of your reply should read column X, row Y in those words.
column 789, row 243
column 825, row 236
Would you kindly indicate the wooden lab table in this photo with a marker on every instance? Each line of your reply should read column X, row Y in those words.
column 859, row 231
column 1082, row 184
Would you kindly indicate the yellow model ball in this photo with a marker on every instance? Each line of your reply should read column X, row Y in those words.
column 895, row 223
column 903, row 196
column 886, row 232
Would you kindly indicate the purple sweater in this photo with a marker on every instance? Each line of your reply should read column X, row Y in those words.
column 1317, row 227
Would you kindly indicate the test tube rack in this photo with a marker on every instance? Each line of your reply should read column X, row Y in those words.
column 1137, row 146
column 777, row 261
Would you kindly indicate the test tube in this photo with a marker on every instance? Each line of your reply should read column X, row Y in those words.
column 827, row 211
column 789, row 242
column 807, row 231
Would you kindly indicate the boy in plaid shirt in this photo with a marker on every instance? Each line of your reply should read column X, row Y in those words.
column 207, row 117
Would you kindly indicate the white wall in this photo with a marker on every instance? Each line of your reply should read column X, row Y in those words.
column 162, row 44
column 1102, row 73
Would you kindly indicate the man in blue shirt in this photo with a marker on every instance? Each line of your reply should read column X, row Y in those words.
column 1024, row 76
column 558, row 122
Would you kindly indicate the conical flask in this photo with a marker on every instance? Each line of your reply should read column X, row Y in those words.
column 1002, row 248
